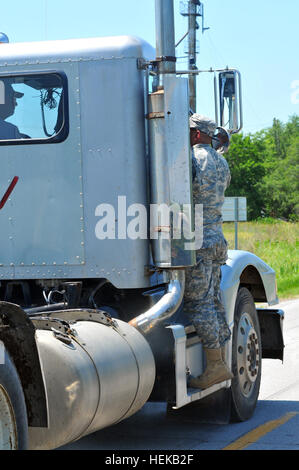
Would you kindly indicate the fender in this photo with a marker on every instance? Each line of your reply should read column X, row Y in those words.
column 246, row 269
column 17, row 333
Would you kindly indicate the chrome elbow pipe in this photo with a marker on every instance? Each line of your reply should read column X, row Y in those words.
column 166, row 306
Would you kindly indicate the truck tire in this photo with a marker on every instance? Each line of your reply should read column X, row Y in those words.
column 246, row 358
column 13, row 414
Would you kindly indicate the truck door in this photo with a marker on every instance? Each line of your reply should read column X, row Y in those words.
column 42, row 219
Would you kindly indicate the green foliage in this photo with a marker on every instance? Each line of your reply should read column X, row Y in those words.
column 246, row 164
column 277, row 243
column 265, row 169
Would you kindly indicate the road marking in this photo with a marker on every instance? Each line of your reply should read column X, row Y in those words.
column 259, row 432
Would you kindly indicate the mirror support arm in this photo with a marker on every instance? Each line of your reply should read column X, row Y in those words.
column 211, row 70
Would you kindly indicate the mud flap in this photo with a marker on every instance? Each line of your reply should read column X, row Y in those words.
column 271, row 326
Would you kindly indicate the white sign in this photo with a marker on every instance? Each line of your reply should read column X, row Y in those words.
column 234, row 209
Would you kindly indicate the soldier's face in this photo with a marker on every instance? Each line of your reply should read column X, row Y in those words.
column 8, row 108
column 194, row 136
column 222, row 138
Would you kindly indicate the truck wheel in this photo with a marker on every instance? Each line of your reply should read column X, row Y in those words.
column 246, row 358
column 13, row 415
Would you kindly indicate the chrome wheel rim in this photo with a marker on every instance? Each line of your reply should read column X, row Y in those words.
column 8, row 429
column 248, row 355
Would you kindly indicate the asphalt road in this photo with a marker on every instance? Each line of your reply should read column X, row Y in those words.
column 274, row 426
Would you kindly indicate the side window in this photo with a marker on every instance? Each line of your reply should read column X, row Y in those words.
column 33, row 109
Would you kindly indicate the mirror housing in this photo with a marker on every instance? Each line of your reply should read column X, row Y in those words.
column 229, row 105
column 227, row 97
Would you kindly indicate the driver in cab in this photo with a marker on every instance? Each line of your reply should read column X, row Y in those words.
column 8, row 103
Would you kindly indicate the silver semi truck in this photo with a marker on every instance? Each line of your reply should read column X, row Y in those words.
column 94, row 138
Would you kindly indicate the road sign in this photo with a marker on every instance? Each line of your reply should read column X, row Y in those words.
column 235, row 210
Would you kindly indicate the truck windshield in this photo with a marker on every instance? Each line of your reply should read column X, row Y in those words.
column 31, row 107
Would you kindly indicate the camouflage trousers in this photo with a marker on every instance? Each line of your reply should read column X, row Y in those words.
column 202, row 298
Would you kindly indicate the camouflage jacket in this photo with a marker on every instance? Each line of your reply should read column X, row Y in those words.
column 211, row 177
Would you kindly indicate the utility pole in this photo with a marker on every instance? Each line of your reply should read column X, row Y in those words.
column 192, row 26
column 192, row 9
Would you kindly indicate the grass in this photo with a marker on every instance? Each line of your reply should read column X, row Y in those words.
column 277, row 243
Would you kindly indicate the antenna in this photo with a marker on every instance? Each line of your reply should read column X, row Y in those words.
column 46, row 19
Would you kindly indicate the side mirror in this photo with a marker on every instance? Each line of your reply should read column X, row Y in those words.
column 229, row 106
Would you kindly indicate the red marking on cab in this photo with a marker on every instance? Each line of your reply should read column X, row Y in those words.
column 10, row 189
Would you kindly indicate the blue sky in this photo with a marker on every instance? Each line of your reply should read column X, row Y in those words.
column 260, row 38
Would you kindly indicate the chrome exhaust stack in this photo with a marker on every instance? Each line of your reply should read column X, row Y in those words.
column 169, row 150
column 170, row 173
column 165, row 39
column 165, row 307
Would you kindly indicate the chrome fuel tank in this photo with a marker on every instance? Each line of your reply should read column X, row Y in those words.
column 95, row 376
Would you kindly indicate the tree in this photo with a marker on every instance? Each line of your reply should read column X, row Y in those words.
column 281, row 181
column 265, row 169
column 245, row 159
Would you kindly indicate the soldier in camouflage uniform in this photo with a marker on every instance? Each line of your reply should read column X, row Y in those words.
column 202, row 299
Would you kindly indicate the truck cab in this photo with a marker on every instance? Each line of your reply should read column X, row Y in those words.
column 91, row 307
